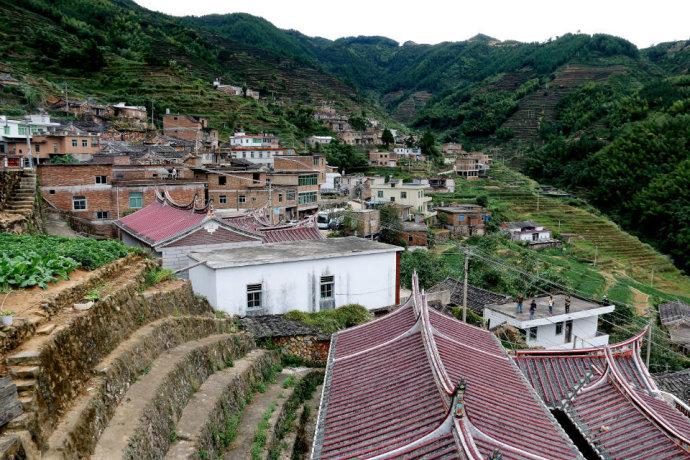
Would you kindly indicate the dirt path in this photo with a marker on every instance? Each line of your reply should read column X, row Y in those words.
column 640, row 301
column 241, row 447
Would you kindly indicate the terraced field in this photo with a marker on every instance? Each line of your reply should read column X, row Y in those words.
column 623, row 262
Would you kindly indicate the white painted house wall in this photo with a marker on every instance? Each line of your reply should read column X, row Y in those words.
column 543, row 235
column 367, row 279
column 584, row 332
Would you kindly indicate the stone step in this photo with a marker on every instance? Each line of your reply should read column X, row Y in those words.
column 24, row 372
column 270, row 401
column 24, row 385
column 78, row 431
column 24, row 358
column 142, row 424
column 27, row 403
column 18, row 423
column 218, row 400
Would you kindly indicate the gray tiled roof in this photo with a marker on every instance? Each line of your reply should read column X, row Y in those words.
column 477, row 298
column 673, row 312
column 677, row 383
column 267, row 326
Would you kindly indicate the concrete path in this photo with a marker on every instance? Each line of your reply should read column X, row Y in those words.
column 56, row 226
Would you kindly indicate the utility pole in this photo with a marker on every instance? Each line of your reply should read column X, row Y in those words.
column 28, row 146
column 649, row 337
column 596, row 252
column 464, row 287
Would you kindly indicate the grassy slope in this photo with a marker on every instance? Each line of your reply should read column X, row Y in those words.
column 624, row 264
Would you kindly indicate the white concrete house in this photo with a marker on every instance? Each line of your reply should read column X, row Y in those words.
column 408, row 152
column 241, row 139
column 303, row 275
column 528, row 232
column 560, row 330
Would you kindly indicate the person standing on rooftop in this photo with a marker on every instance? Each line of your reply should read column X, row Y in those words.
column 532, row 309
column 520, row 299
column 550, row 305
column 567, row 303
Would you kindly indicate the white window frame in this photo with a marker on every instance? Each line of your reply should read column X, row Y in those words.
column 79, row 198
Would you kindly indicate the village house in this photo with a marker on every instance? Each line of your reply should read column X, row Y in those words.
column 106, row 188
column 236, row 90
column 675, row 318
column 449, row 294
column 81, row 108
column 170, row 231
column 192, row 128
column 242, row 139
column 572, row 324
column 368, row 222
column 472, row 165
column 306, row 174
column 332, row 183
column 418, row 384
column 397, row 191
column 257, row 155
column 463, row 219
column 16, row 136
column 442, row 184
column 54, row 142
column 378, row 158
column 132, row 113
column 413, row 153
column 415, row 234
column 452, row 149
column 319, row 140
column 309, row 276
column 350, row 137
column 536, row 236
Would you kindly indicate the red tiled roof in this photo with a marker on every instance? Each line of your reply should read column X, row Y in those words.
column 609, row 395
column 216, row 236
column 304, row 230
column 395, row 388
column 161, row 220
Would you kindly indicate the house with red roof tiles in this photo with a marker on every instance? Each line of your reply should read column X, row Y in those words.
column 171, row 230
column 418, row 384
column 610, row 401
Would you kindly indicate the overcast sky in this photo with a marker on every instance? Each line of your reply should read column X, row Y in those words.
column 433, row 21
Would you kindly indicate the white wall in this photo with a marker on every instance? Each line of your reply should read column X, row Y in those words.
column 367, row 279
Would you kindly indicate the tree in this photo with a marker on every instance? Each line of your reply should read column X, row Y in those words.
column 344, row 156
column 430, row 268
column 391, row 225
column 387, row 137
column 358, row 122
column 428, row 145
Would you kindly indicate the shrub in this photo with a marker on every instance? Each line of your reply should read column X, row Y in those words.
column 329, row 321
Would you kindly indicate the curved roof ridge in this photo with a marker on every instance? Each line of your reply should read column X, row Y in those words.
column 639, row 404
column 594, row 384
column 474, row 431
column 407, row 304
column 415, row 328
column 642, row 369
column 428, row 339
column 166, row 199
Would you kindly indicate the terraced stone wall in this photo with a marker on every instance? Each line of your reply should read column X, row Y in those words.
column 9, row 180
column 309, row 348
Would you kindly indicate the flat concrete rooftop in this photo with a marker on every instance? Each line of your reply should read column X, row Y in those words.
column 292, row 251
column 576, row 305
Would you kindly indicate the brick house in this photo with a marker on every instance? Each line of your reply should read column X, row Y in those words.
column 415, row 234
column 56, row 142
column 306, row 174
column 464, row 219
column 96, row 193
column 377, row 158
column 472, row 165
column 191, row 128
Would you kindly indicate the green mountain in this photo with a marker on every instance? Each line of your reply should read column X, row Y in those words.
column 593, row 114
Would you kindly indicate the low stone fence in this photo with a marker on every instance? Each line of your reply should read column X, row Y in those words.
column 311, row 349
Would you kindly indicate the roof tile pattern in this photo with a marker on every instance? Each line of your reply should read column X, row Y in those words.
column 394, row 389
column 161, row 220
column 217, row 236
column 608, row 394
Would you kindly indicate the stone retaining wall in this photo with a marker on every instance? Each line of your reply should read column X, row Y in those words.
column 9, row 180
column 309, row 348
column 68, row 359
column 115, row 377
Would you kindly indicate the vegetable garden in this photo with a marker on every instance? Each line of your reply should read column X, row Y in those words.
column 36, row 260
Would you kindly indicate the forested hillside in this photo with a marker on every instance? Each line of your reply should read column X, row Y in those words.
column 589, row 113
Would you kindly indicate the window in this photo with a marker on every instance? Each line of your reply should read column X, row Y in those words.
column 101, row 179
column 290, row 195
column 223, row 199
column 256, row 178
column 327, row 283
column 136, row 200
column 532, row 333
column 316, row 161
column 392, row 199
column 222, row 180
column 311, row 179
column 241, row 199
column 37, row 148
column 403, row 194
column 280, row 198
column 79, row 203
column 253, row 296
column 101, row 214
column 34, row 130
column 7, row 129
column 559, row 328
column 94, row 143
column 21, row 130
column 74, row 142
column 52, row 192
column 461, row 218
column 379, row 194
column 307, row 197
column 84, row 142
